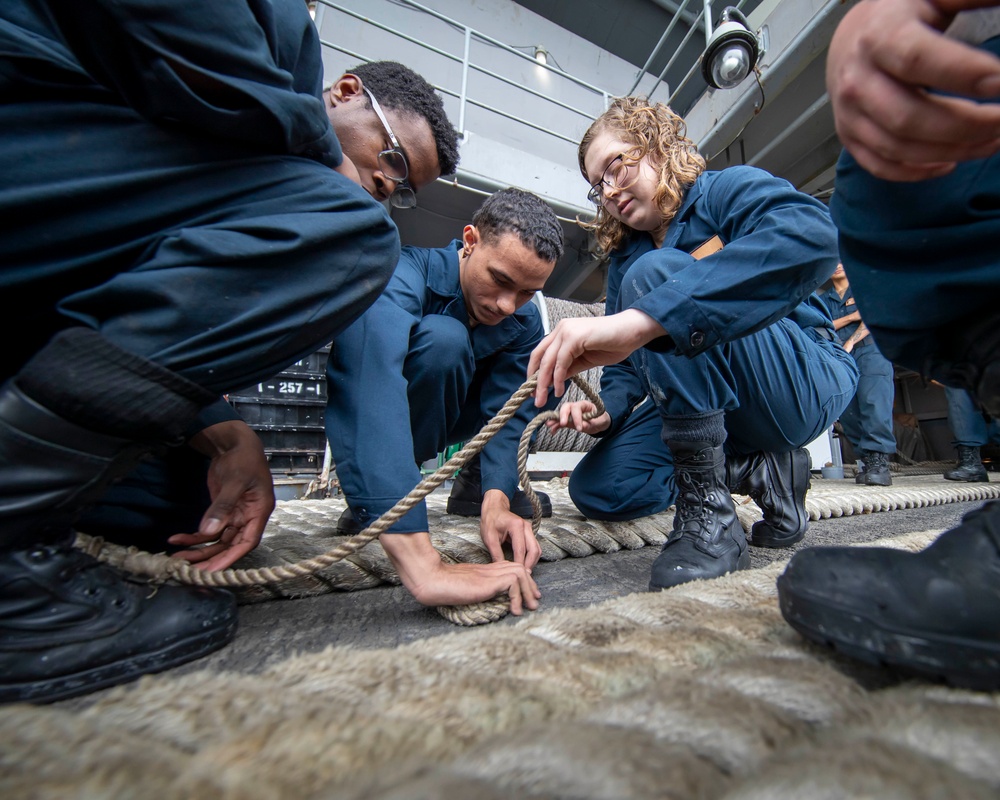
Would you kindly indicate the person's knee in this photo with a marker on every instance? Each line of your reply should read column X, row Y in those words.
column 648, row 273
column 596, row 495
column 440, row 350
column 587, row 494
column 440, row 361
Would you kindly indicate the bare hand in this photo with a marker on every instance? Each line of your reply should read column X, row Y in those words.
column 435, row 583
column 883, row 57
column 497, row 524
column 576, row 345
column 242, row 492
column 571, row 415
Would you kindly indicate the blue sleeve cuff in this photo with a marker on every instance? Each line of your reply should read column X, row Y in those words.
column 366, row 511
column 219, row 411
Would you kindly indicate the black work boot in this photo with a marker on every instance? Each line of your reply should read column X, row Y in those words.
column 349, row 525
column 67, row 624
column 876, row 469
column 707, row 540
column 778, row 483
column 71, row 625
column 466, row 498
column 969, row 468
column 935, row 613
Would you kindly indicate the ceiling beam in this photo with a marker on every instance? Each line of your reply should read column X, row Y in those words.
column 674, row 8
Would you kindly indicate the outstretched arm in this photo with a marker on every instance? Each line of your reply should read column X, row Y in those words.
column 884, row 58
column 579, row 344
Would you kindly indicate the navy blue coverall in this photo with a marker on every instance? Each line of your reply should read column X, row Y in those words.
column 967, row 422
column 922, row 257
column 867, row 420
column 747, row 335
column 411, row 377
column 168, row 181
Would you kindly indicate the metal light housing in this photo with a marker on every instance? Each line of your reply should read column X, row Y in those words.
column 731, row 52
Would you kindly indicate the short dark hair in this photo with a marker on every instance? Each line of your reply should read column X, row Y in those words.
column 400, row 88
column 526, row 214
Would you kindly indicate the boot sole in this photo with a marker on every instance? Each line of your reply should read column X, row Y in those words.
column 777, row 542
column 959, row 662
column 742, row 563
column 64, row 687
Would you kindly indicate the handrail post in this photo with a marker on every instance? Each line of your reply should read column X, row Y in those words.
column 465, row 82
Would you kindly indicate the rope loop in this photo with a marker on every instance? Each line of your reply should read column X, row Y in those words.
column 160, row 567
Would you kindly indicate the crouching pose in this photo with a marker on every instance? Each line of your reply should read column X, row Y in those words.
column 431, row 362
column 178, row 218
column 721, row 362
column 918, row 219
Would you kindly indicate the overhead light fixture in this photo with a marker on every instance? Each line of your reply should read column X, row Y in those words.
column 541, row 55
column 731, row 52
column 311, row 5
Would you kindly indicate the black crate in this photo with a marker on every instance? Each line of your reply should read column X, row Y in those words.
column 295, row 462
column 292, row 439
column 314, row 364
column 266, row 415
column 287, row 388
column 287, row 413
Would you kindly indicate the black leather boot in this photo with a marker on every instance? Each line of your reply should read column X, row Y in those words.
column 466, row 498
column 707, row 540
column 876, row 469
column 969, row 468
column 349, row 525
column 778, row 483
column 935, row 613
column 69, row 625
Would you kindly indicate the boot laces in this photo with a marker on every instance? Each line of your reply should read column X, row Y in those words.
column 694, row 509
column 92, row 574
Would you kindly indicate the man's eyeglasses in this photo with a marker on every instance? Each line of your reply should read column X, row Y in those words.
column 613, row 177
column 394, row 165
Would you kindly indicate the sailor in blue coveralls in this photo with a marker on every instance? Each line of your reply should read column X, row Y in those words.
column 168, row 494
column 177, row 220
column 713, row 321
column 867, row 420
column 916, row 203
column 972, row 430
column 431, row 362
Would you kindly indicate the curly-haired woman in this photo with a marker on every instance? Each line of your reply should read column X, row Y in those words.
column 721, row 363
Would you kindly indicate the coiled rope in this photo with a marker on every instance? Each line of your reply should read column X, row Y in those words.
column 570, row 440
column 163, row 567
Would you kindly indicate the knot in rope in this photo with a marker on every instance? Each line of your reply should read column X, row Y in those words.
column 160, row 567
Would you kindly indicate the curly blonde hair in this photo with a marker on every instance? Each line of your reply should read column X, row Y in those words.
column 653, row 130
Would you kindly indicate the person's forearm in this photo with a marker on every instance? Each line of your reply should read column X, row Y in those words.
column 224, row 437
column 843, row 322
column 857, row 336
column 413, row 556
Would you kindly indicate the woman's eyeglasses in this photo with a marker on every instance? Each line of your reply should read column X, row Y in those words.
column 613, row 178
